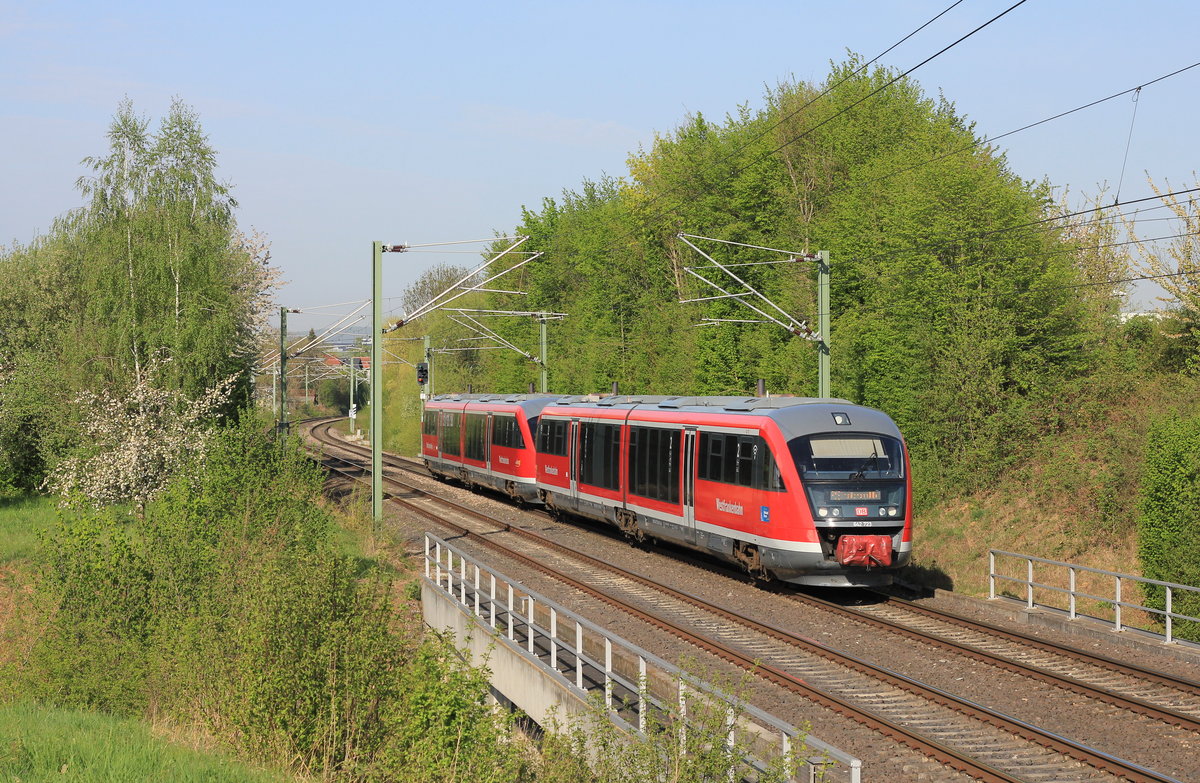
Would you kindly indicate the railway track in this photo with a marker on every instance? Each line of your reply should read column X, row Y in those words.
column 963, row 735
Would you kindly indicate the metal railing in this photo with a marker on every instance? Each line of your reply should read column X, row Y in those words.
column 1118, row 599
column 636, row 686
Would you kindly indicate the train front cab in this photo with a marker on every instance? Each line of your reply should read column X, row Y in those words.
column 711, row 479
column 483, row 440
column 815, row 492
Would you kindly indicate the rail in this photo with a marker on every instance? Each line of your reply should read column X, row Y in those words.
column 637, row 687
column 1117, row 599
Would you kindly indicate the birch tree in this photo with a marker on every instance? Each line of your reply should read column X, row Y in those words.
column 1175, row 265
column 152, row 270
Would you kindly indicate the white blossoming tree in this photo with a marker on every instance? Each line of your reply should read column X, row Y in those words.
column 136, row 442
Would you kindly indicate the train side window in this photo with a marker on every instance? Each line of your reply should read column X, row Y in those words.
column 451, row 432
column 506, row 432
column 475, row 442
column 712, row 456
column 653, row 466
column 429, row 423
column 729, row 462
column 742, row 460
column 769, row 476
column 746, row 449
column 599, row 454
column 552, row 437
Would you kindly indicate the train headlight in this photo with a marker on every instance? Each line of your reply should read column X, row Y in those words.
column 882, row 512
column 822, row 512
column 892, row 511
column 837, row 512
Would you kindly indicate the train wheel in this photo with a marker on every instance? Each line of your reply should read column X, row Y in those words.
column 751, row 559
column 510, row 488
column 627, row 522
column 548, row 501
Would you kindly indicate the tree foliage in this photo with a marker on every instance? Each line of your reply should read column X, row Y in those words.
column 1177, row 269
column 230, row 606
column 1169, row 515
column 136, row 442
column 960, row 305
column 151, row 272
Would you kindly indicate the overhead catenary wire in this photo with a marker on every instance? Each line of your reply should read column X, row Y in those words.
column 885, row 86
column 336, row 304
column 658, row 198
column 902, row 75
column 992, row 139
column 1016, row 293
column 833, row 87
column 1046, row 220
column 1053, row 219
column 942, row 243
column 772, row 126
column 919, row 249
column 1066, row 250
column 1128, row 144
column 331, row 330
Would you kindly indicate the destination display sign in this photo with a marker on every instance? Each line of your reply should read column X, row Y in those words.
column 854, row 495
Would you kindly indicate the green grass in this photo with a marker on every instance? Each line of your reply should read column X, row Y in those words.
column 38, row 744
column 21, row 519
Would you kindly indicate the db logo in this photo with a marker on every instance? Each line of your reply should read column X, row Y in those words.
column 860, row 512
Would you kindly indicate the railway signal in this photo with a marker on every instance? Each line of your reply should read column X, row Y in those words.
column 422, row 373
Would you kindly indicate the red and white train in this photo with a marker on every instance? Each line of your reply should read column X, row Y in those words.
column 808, row 491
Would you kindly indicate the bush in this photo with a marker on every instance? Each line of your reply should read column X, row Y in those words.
column 674, row 748
column 1169, row 518
column 229, row 606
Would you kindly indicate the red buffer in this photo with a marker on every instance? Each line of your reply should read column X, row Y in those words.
column 866, row 551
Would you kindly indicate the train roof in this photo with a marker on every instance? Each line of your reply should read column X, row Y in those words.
column 795, row 416
column 531, row 404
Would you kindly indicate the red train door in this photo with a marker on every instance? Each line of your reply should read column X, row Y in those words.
column 688, row 465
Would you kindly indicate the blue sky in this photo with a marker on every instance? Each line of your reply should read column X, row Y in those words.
column 342, row 124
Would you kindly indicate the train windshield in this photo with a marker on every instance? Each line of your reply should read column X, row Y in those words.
column 848, row 456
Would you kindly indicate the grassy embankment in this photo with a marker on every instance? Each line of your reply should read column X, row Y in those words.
column 40, row 743
column 1074, row 499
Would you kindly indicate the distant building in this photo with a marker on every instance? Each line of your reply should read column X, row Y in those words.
column 1154, row 315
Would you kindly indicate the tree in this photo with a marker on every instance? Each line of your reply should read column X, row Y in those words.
column 1168, row 522
column 959, row 306
column 1177, row 269
column 153, row 269
column 135, row 442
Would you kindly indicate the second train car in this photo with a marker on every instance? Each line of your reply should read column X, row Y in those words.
column 808, row 491
column 484, row 439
